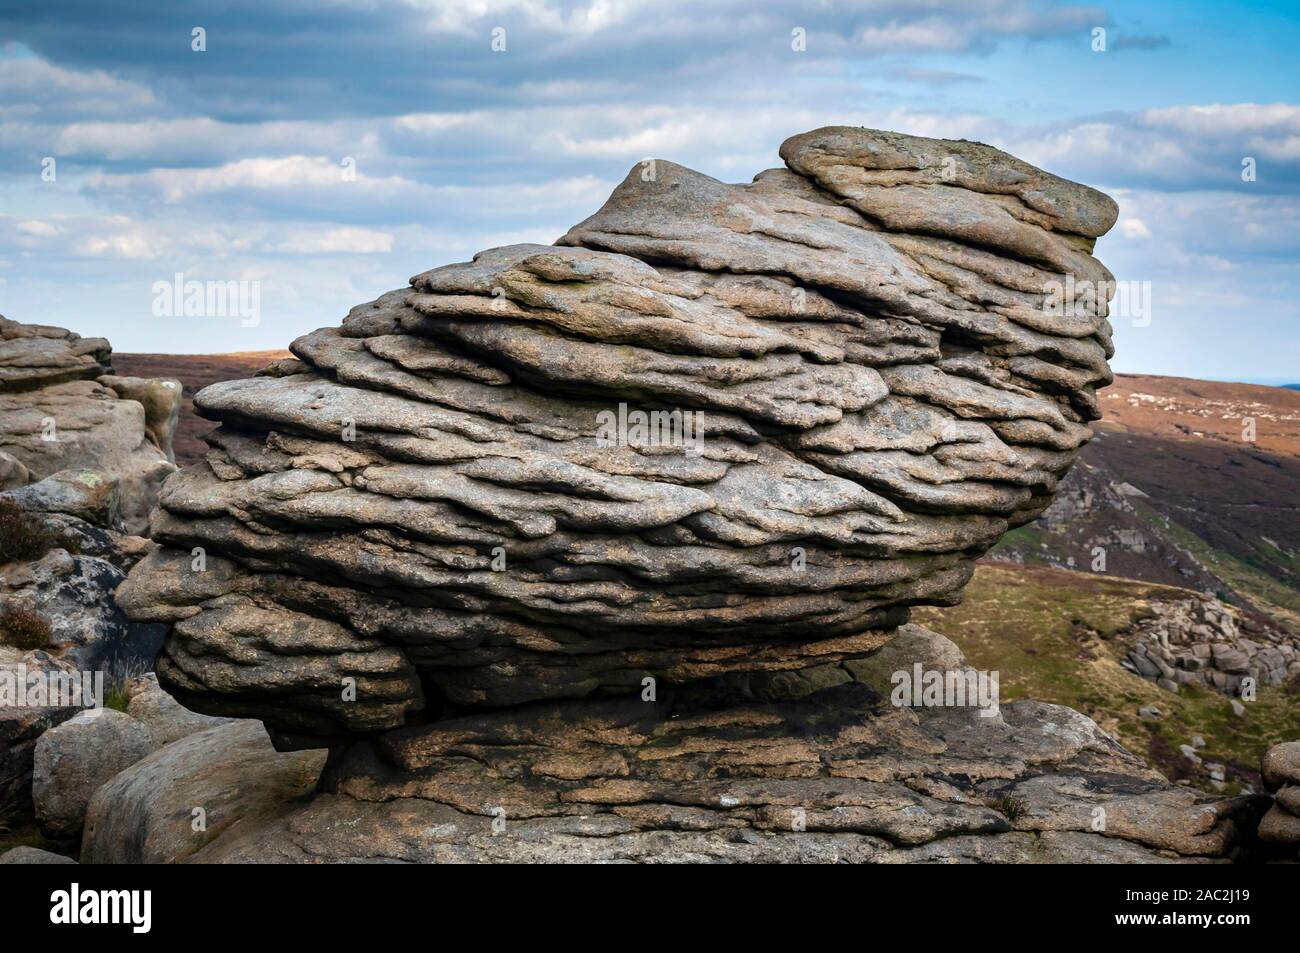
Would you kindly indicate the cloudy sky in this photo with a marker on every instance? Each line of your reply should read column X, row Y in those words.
column 328, row 150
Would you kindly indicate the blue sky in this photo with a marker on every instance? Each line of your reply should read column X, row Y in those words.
column 227, row 164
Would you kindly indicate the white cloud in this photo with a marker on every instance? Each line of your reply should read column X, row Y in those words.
column 355, row 241
column 38, row 228
column 32, row 81
column 127, row 244
column 1134, row 228
column 463, row 16
column 202, row 138
column 266, row 174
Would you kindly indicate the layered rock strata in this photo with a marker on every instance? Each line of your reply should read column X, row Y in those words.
column 62, row 407
column 850, row 387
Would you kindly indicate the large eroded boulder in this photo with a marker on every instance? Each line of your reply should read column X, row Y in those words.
column 718, row 430
column 605, row 550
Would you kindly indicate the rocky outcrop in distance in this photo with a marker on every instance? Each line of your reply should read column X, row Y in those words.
column 1197, row 641
column 716, row 432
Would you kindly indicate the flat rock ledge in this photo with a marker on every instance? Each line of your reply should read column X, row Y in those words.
column 715, row 430
column 832, row 772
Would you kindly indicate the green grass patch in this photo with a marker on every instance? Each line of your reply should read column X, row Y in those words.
column 1058, row 636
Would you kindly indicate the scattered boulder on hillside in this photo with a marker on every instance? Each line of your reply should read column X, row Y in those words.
column 61, row 407
column 1197, row 641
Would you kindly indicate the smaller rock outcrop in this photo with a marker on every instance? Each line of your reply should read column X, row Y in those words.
column 62, row 556
column 1197, row 641
column 1280, row 769
column 61, row 407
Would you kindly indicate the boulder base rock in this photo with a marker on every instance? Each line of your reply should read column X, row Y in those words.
column 74, row 758
column 836, row 774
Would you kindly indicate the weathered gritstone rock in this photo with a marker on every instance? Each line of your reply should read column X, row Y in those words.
column 437, row 502
column 146, row 813
column 33, row 855
column 74, row 759
column 61, row 407
column 33, row 356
